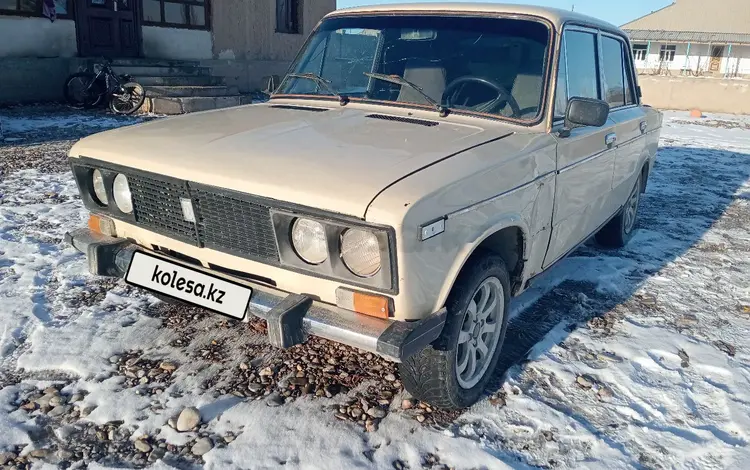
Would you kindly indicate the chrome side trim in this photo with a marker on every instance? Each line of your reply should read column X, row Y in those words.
column 492, row 199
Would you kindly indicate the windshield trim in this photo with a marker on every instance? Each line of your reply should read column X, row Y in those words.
column 541, row 115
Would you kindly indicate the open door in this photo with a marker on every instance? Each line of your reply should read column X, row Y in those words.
column 109, row 28
column 717, row 52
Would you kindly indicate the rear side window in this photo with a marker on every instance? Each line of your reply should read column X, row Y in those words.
column 613, row 69
column 583, row 79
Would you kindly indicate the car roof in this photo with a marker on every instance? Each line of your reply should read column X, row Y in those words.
column 556, row 16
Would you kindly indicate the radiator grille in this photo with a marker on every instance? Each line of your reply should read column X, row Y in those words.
column 225, row 222
column 235, row 225
column 156, row 206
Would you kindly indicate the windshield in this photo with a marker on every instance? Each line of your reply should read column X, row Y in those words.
column 486, row 65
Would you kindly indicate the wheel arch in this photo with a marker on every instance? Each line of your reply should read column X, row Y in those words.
column 509, row 239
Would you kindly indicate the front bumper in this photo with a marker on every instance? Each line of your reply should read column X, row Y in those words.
column 290, row 317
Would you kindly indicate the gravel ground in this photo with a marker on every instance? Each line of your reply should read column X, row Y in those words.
column 569, row 323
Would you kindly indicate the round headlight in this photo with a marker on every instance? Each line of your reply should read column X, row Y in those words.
column 309, row 240
column 121, row 191
column 97, row 181
column 360, row 251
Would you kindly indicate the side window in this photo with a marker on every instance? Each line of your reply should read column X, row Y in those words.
column 614, row 72
column 583, row 78
column 561, row 91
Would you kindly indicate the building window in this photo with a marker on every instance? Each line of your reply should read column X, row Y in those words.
column 288, row 16
column 63, row 8
column 640, row 51
column 191, row 14
column 666, row 53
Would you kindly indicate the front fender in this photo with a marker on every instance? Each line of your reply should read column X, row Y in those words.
column 472, row 243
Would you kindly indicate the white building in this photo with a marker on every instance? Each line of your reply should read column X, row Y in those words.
column 694, row 38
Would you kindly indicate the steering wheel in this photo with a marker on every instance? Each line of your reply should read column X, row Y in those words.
column 502, row 93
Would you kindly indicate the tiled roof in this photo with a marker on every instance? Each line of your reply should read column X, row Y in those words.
column 688, row 36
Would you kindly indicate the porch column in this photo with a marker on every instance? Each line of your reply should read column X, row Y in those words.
column 729, row 57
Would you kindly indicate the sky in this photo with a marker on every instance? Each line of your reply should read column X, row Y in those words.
column 615, row 11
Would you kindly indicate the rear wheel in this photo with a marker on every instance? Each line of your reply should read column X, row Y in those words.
column 129, row 100
column 82, row 91
column 453, row 372
column 618, row 231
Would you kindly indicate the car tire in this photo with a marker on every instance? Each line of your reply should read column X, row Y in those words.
column 618, row 231
column 440, row 374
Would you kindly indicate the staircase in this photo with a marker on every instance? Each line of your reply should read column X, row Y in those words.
column 179, row 86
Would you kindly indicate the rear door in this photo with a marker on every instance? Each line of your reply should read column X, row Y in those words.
column 585, row 159
column 630, row 119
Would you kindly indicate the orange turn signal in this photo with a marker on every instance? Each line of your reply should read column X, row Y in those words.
column 103, row 225
column 364, row 302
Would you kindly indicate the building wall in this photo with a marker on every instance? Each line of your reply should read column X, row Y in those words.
column 699, row 54
column 176, row 43
column 37, row 37
column 717, row 96
column 246, row 30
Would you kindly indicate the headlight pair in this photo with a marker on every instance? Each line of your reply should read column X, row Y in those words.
column 120, row 191
column 359, row 249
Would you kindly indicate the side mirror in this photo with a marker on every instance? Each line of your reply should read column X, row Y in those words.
column 272, row 82
column 585, row 112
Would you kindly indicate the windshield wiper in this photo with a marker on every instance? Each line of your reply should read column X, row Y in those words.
column 398, row 80
column 321, row 82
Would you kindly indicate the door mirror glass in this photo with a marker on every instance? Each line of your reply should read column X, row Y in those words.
column 583, row 112
column 272, row 82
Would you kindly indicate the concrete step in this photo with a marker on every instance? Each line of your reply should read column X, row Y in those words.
column 159, row 71
column 190, row 91
column 198, row 80
column 155, row 63
column 182, row 105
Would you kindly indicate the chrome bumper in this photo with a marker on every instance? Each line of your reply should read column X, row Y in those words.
column 291, row 317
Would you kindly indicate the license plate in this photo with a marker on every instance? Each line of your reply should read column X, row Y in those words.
column 189, row 285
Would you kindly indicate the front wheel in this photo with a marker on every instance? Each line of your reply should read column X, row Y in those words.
column 453, row 372
column 128, row 100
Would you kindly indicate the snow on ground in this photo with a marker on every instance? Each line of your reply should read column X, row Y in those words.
column 633, row 358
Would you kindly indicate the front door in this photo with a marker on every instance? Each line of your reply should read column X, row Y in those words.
column 717, row 52
column 585, row 158
column 109, row 28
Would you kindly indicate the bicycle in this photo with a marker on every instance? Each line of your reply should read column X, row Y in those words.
column 85, row 90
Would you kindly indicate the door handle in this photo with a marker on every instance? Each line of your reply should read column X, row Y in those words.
column 610, row 140
column 114, row 4
column 644, row 126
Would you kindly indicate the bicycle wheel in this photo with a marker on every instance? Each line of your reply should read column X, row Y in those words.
column 82, row 91
column 128, row 102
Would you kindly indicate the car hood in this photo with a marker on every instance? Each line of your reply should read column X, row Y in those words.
column 336, row 159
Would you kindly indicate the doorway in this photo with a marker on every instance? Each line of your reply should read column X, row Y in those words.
column 717, row 53
column 109, row 28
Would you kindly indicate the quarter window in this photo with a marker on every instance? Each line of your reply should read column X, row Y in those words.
column 561, row 91
column 666, row 53
column 583, row 79
column 614, row 72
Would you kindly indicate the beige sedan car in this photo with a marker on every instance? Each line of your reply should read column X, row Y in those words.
column 417, row 167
